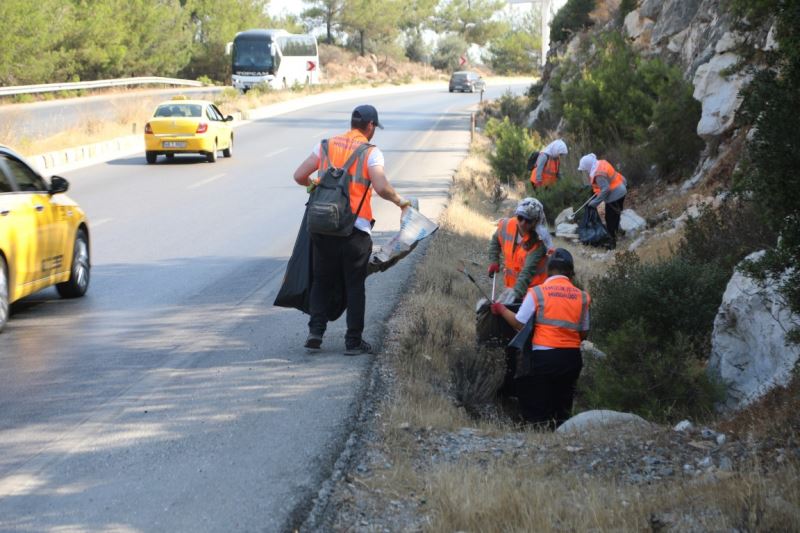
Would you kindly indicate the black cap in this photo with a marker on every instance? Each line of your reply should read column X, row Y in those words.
column 367, row 113
column 561, row 258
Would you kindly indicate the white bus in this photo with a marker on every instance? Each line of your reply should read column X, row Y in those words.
column 275, row 57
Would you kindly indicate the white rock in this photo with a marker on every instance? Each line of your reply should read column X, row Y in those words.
column 601, row 419
column 631, row 223
column 749, row 351
column 563, row 216
column 718, row 94
column 568, row 231
column 683, row 425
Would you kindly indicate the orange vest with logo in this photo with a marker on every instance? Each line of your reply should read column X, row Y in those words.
column 340, row 148
column 604, row 168
column 560, row 310
column 549, row 173
column 514, row 254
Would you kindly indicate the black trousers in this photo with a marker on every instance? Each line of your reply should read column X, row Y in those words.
column 545, row 397
column 613, row 212
column 342, row 258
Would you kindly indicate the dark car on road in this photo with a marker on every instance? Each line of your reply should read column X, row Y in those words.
column 466, row 81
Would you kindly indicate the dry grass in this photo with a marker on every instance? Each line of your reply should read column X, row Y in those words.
column 525, row 496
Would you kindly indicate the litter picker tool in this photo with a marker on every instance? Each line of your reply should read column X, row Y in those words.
column 494, row 280
column 572, row 216
column 464, row 271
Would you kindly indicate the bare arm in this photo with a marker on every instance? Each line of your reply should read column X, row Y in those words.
column 509, row 316
column 303, row 173
column 383, row 187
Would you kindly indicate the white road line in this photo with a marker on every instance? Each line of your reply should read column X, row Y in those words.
column 97, row 223
column 318, row 135
column 276, row 152
column 205, row 181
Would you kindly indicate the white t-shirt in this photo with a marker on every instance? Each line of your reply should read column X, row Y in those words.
column 375, row 159
column 528, row 307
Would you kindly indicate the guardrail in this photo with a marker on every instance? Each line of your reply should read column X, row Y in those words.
column 99, row 84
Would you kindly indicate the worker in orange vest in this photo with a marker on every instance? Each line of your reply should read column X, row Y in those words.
column 523, row 240
column 609, row 186
column 336, row 257
column 546, row 171
column 560, row 315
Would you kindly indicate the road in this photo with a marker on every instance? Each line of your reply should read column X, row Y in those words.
column 174, row 397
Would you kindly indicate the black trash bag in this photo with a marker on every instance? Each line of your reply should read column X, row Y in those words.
column 295, row 291
column 492, row 330
column 591, row 230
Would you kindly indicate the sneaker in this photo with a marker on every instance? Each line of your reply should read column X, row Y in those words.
column 313, row 343
column 358, row 349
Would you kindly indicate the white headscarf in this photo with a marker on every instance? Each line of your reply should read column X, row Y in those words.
column 556, row 148
column 588, row 163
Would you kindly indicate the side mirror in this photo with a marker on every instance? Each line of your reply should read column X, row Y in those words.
column 58, row 185
column 229, row 118
column 228, row 48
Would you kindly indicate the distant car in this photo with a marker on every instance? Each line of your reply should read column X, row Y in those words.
column 44, row 235
column 181, row 126
column 466, row 81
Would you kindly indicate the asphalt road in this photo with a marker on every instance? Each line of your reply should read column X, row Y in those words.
column 174, row 397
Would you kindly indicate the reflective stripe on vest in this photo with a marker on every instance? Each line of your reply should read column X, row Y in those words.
column 549, row 173
column 340, row 148
column 514, row 254
column 559, row 314
column 614, row 178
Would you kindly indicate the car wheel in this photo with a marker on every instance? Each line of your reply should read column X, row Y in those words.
column 5, row 292
column 78, row 281
column 170, row 157
column 211, row 156
column 451, row 90
column 151, row 157
column 227, row 152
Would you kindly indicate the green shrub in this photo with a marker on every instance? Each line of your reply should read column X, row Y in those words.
column 574, row 16
column 655, row 376
column 672, row 296
column 516, row 108
column 566, row 192
column 725, row 236
column 516, row 52
column 512, row 144
column 448, row 51
column 769, row 169
column 621, row 99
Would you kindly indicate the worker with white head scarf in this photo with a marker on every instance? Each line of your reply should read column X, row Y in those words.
column 546, row 172
column 609, row 186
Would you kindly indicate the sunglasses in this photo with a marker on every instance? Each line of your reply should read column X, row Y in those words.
column 521, row 218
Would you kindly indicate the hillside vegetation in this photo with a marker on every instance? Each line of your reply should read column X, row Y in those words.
column 52, row 41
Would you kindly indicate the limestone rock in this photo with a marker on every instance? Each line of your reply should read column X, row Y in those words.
column 563, row 216
column 749, row 351
column 601, row 420
column 631, row 223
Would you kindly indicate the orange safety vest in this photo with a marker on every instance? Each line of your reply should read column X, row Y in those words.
column 514, row 255
column 340, row 148
column 549, row 173
column 560, row 309
column 604, row 168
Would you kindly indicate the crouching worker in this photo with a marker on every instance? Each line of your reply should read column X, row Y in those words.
column 523, row 240
column 560, row 314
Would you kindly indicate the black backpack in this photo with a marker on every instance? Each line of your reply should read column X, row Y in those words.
column 532, row 160
column 329, row 210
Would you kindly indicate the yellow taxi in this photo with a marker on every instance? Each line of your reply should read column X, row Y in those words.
column 44, row 235
column 182, row 126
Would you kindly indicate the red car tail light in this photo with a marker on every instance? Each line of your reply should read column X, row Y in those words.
column 148, row 129
column 202, row 127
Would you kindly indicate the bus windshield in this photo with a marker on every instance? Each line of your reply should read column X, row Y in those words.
column 252, row 55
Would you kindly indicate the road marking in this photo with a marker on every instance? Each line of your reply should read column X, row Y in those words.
column 276, row 152
column 205, row 181
column 318, row 135
column 97, row 223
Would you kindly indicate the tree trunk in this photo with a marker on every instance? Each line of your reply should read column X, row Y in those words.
column 361, row 44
